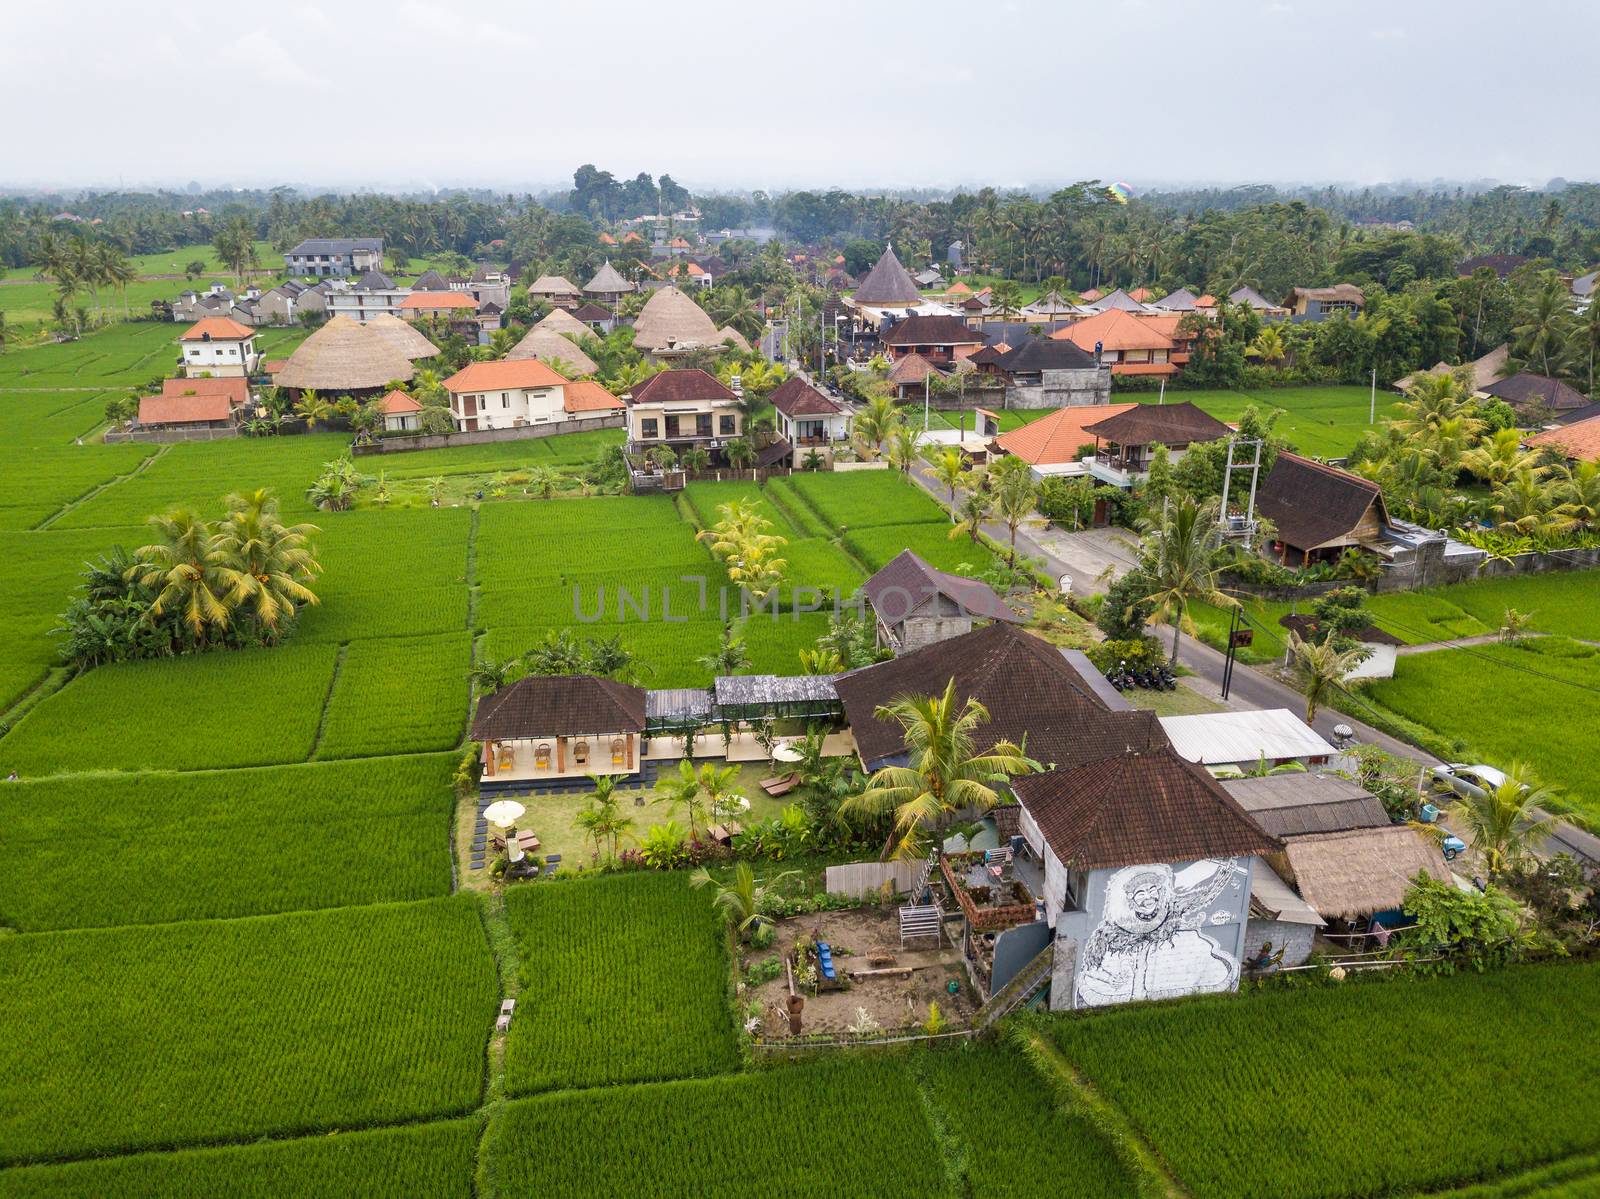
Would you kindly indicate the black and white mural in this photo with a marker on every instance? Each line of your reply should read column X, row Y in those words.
column 1151, row 941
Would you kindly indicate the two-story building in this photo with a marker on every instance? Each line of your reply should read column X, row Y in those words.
column 329, row 257
column 1319, row 303
column 1045, row 373
column 508, row 394
column 810, row 422
column 373, row 294
column 220, row 347
column 682, row 409
column 1125, row 442
column 942, row 340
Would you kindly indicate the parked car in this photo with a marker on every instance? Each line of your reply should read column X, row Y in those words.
column 1466, row 780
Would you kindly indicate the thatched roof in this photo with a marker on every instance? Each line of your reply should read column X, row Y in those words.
column 402, row 336
column 670, row 319
column 345, row 356
column 728, row 333
column 607, row 281
column 562, row 321
column 552, row 285
column 887, row 283
column 549, row 346
column 1353, row 874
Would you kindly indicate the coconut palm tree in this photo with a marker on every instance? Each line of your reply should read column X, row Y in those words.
column 874, row 423
column 1577, row 487
column 1014, row 495
column 1183, row 561
column 264, row 564
column 489, row 674
column 1501, row 823
column 974, row 509
column 1500, row 457
column 683, row 791
column 603, row 818
column 181, row 569
column 902, row 447
column 313, row 409
column 945, row 776
column 948, row 469
column 1321, row 667
column 742, row 899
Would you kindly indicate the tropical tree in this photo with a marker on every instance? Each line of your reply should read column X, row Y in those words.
column 603, row 819
column 742, row 899
column 1503, row 824
column 1501, row 456
column 948, row 469
column 1321, row 667
column 683, row 791
column 1014, row 495
column 1577, row 490
column 263, row 563
column 945, row 775
column 543, row 481
column 180, row 569
column 313, row 409
column 489, row 674
column 730, row 656
column 974, row 509
column 902, row 447
column 874, row 423
column 1180, row 557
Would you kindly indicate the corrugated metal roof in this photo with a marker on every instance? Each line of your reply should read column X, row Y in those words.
column 1271, row 893
column 1217, row 738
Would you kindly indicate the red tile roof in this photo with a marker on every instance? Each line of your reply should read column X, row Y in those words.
column 183, row 409
column 1055, row 439
column 507, row 373
column 396, row 403
column 1117, row 330
column 432, row 300
column 216, row 328
column 236, row 390
column 588, row 396
column 795, row 397
column 1579, row 441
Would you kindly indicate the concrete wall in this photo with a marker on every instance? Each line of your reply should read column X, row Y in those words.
column 440, row 441
column 171, row 436
column 1294, row 939
column 1061, row 389
column 1153, row 932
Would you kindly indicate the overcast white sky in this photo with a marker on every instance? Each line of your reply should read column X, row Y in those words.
column 741, row 94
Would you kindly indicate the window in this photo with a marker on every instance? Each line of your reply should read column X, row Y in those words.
column 504, row 402
column 1077, row 883
column 702, row 424
column 726, row 425
column 647, row 428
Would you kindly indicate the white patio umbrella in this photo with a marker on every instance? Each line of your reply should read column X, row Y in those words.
column 788, row 753
column 503, row 813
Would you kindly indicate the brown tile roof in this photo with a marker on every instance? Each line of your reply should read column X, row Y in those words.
column 1139, row 808
column 1029, row 689
column 1056, row 438
column 1045, row 354
column 1579, row 441
column 588, row 396
column 592, row 312
column 397, row 403
column 990, row 355
column 795, row 397
column 906, row 582
column 1526, row 390
column 506, row 373
column 237, row 390
column 1159, row 424
column 1291, row 805
column 920, row 330
column 680, row 387
column 183, row 409
column 559, row 706
column 1313, row 504
column 216, row 328
column 913, row 368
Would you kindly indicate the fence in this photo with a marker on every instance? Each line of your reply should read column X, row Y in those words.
column 400, row 443
column 169, row 436
column 861, row 879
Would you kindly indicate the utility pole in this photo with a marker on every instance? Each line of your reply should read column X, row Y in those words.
column 1254, row 467
column 1163, row 396
column 927, row 383
column 1372, row 411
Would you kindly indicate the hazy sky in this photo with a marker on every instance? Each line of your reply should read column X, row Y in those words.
column 718, row 93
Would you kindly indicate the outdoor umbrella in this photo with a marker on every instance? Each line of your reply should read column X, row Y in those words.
column 788, row 753
column 504, row 813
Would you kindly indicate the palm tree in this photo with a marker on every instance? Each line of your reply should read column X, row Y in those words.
column 1321, row 667
column 973, row 510
column 1578, row 489
column 264, row 564
column 945, row 776
column 1183, row 561
column 902, row 447
column 543, row 481
column 874, row 423
column 716, row 784
column 1501, row 823
column 488, row 675
column 742, row 899
column 683, row 791
column 1500, row 457
column 948, row 467
column 313, row 409
column 603, row 818
column 181, row 570
column 1014, row 495
column 730, row 656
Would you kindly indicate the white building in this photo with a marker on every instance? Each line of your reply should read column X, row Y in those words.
column 219, row 347
column 374, row 294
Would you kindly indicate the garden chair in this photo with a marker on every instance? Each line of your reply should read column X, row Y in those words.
column 617, row 751
column 580, row 755
column 507, row 1006
column 541, row 757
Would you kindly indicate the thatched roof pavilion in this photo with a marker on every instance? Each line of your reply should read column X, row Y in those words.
column 403, row 337
column 562, row 321
column 343, row 357
column 549, row 346
column 671, row 320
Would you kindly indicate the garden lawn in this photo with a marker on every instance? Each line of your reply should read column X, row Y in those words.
column 841, row 1126
column 624, row 979
column 183, row 1034
column 419, row 1161
column 396, row 695
column 1016, row 1142
column 214, row 844
column 1538, row 703
column 226, row 708
column 1336, row 1091
column 1324, row 422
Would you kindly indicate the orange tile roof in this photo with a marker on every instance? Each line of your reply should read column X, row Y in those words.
column 959, row 288
column 588, row 396
column 1056, row 438
column 1579, row 441
column 607, row 240
column 1116, row 330
column 1206, row 301
column 217, row 328
column 506, row 373
column 630, row 236
column 1090, row 296
column 396, row 403
column 1144, row 368
column 678, row 243
column 1143, row 294
column 184, row 409
column 438, row 299
column 273, row 365
column 237, row 390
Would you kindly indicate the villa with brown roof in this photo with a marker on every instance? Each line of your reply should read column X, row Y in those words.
column 809, row 422
column 942, row 340
column 1042, row 372
column 220, row 347
column 915, row 605
column 547, row 726
column 681, row 409
column 1535, row 397
column 1319, row 510
column 1125, row 442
